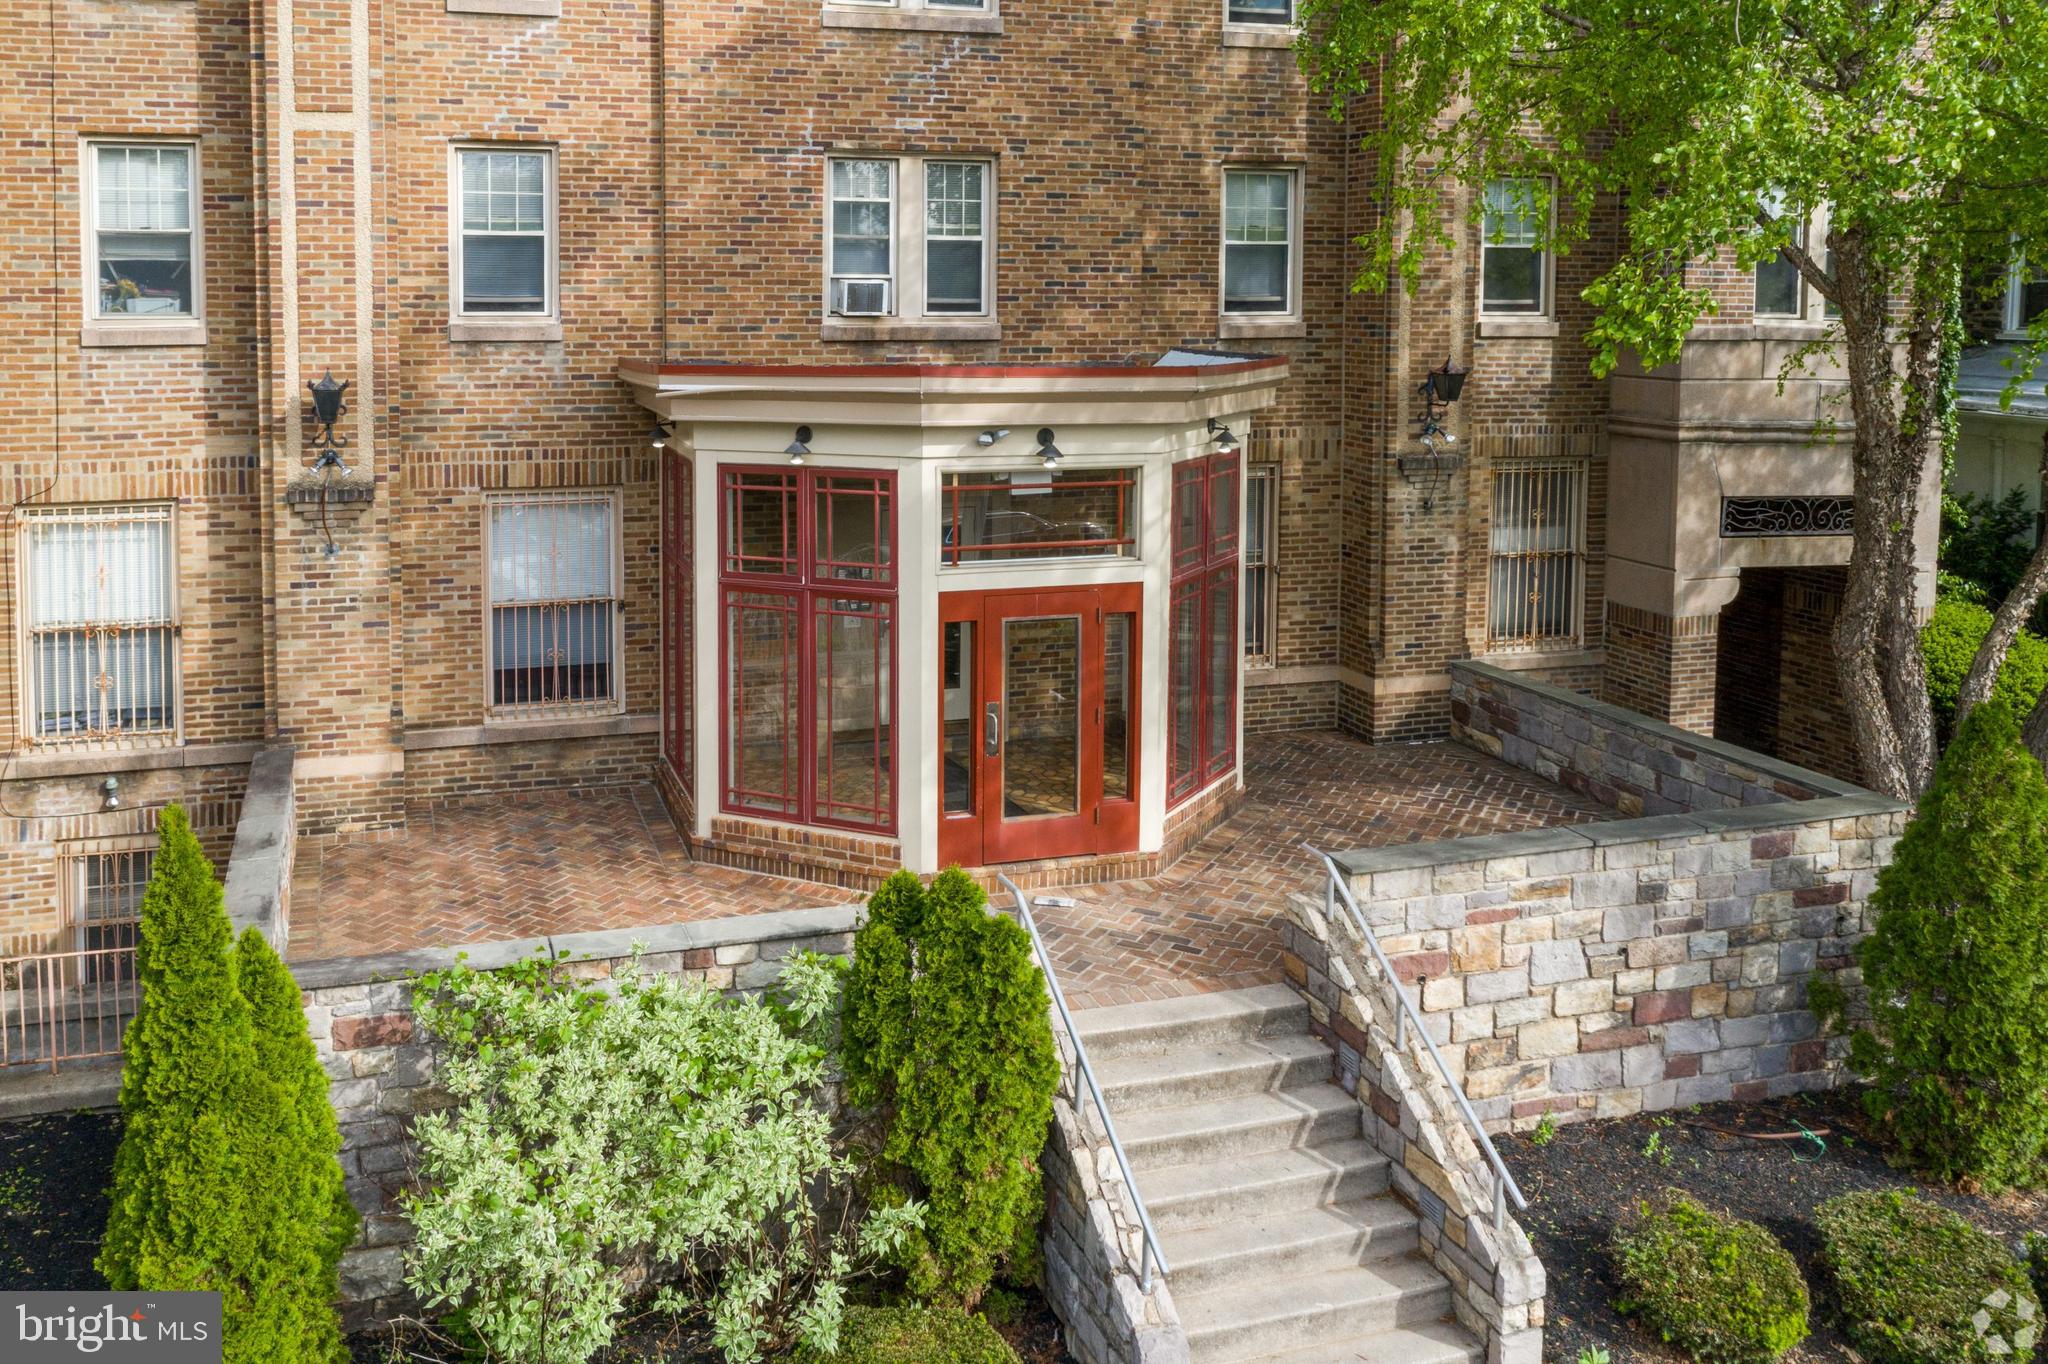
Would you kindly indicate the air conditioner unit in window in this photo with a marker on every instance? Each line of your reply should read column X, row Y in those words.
column 860, row 297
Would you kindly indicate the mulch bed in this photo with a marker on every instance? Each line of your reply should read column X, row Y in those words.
column 1590, row 1173
column 54, row 1173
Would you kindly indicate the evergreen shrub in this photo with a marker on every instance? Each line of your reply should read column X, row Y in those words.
column 1956, row 1047
column 1916, row 1284
column 1721, row 1290
column 1948, row 643
column 948, row 1041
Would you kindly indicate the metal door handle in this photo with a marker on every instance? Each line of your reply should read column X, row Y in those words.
column 992, row 729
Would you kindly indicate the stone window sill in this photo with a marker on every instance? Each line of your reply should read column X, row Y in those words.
column 918, row 21
column 188, row 332
column 511, row 730
column 504, row 331
column 138, row 756
column 1259, row 35
column 1766, row 329
column 531, row 9
column 1251, row 327
column 1528, row 328
column 1567, row 654
column 909, row 329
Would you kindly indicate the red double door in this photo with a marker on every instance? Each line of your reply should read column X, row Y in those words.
column 1038, row 729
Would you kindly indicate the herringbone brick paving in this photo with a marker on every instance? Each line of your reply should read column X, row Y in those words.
column 571, row 861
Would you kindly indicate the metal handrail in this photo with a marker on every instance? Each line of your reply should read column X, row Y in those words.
column 1504, row 1186
column 1150, row 1253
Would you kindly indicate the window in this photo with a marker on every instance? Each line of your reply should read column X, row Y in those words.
column 144, row 207
column 1537, row 555
column 553, row 602
column 678, row 619
column 2026, row 297
column 1514, row 269
column 915, row 6
column 1258, row 242
column 101, row 586
column 1258, row 11
column 1005, row 516
column 808, row 588
column 1780, row 291
column 1261, row 540
column 504, row 243
column 909, row 237
column 1202, row 644
column 105, row 888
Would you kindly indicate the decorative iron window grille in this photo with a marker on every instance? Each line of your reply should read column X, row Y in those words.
column 1753, row 518
column 554, row 602
column 101, row 587
column 1536, row 568
column 106, row 886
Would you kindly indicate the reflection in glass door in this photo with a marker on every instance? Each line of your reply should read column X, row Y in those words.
column 1041, row 717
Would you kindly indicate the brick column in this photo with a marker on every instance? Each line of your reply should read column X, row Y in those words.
column 1662, row 666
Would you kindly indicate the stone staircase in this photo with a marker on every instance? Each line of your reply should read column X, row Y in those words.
column 1272, row 1208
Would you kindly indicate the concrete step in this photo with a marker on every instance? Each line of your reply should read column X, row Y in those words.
column 1439, row 1342
column 1203, row 1194
column 1244, row 1124
column 1285, row 1245
column 1212, row 1070
column 1173, row 1024
column 1265, row 1317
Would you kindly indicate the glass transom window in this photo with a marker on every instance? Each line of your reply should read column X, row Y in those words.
column 1008, row 515
column 144, row 210
column 506, row 256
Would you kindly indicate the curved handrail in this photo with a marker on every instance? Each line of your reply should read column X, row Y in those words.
column 1151, row 1254
column 1504, row 1186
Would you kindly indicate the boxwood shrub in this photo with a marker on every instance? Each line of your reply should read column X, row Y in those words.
column 1719, row 1289
column 1916, row 1284
column 914, row 1335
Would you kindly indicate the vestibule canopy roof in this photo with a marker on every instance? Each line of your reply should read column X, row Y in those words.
column 1180, row 388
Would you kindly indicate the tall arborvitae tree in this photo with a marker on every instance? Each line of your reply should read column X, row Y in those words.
column 293, row 1127
column 182, row 1215
column 948, row 1036
column 1957, row 967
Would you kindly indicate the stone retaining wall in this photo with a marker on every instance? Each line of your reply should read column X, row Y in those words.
column 1629, row 762
column 360, row 1013
column 259, row 880
column 1093, row 1240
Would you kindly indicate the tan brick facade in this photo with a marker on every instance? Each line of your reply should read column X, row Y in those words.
column 689, row 144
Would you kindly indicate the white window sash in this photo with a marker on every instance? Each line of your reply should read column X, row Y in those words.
column 1288, row 243
column 1508, row 223
column 979, row 239
column 460, row 233
column 553, row 606
column 100, row 277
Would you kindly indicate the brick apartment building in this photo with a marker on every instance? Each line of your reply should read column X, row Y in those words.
column 1022, row 445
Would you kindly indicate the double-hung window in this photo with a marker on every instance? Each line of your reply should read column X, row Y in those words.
column 1260, row 240
column 1514, row 268
column 1202, row 641
column 1261, row 542
column 1536, row 561
column 552, row 603
column 808, row 581
column 143, row 232
column 2026, row 297
column 505, row 232
column 104, row 883
column 101, row 586
column 909, row 237
column 1275, row 12
column 1780, row 290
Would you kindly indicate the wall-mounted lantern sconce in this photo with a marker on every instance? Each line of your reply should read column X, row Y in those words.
column 800, row 447
column 111, row 800
column 661, row 435
column 990, row 437
column 1048, row 453
column 327, row 410
column 1433, row 467
column 1225, row 442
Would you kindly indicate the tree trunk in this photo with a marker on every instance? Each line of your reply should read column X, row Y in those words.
column 1883, row 676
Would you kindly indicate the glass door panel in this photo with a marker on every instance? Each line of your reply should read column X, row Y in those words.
column 1041, row 717
column 1116, row 707
column 958, row 722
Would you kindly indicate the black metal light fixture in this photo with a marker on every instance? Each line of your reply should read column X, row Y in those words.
column 1225, row 442
column 1434, row 466
column 1441, row 387
column 327, row 410
column 1048, row 453
column 800, row 447
column 661, row 435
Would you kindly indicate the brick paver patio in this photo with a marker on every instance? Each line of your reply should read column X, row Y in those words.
column 567, row 862
column 1209, row 921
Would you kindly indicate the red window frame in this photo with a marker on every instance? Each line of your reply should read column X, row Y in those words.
column 797, row 579
column 678, row 623
column 1206, row 538
column 954, row 551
